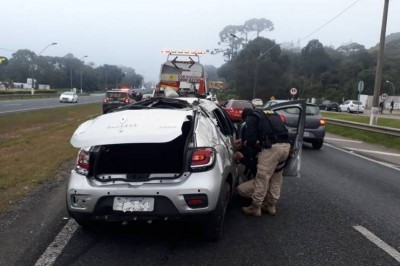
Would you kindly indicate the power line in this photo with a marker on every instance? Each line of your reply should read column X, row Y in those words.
column 8, row 50
column 335, row 17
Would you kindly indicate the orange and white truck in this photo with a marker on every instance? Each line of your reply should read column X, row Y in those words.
column 182, row 73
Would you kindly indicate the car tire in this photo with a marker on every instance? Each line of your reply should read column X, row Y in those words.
column 317, row 144
column 214, row 226
column 81, row 219
column 348, row 110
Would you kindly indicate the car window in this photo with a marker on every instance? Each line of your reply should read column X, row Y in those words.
column 356, row 102
column 293, row 111
column 312, row 110
column 116, row 94
column 222, row 122
column 242, row 104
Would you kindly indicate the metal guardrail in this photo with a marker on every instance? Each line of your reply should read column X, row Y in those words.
column 27, row 96
column 377, row 129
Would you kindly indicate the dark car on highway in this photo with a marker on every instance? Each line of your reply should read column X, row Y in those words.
column 329, row 106
column 116, row 98
column 314, row 129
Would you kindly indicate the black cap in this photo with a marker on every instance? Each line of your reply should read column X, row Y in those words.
column 247, row 111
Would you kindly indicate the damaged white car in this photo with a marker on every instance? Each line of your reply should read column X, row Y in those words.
column 159, row 158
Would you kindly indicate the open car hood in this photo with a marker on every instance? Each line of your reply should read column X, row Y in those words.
column 131, row 126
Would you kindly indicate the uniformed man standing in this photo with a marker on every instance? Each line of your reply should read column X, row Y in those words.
column 266, row 130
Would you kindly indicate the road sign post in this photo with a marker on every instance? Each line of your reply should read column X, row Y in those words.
column 360, row 89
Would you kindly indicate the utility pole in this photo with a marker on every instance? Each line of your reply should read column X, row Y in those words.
column 71, row 77
column 83, row 57
column 379, row 66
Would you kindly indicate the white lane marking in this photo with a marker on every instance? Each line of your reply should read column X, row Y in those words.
column 55, row 248
column 11, row 104
column 344, row 140
column 40, row 108
column 26, row 110
column 376, row 152
column 379, row 242
column 395, row 167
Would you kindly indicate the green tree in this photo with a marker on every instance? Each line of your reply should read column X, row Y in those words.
column 258, row 26
column 315, row 60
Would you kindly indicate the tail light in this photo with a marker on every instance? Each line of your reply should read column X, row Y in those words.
column 322, row 121
column 283, row 118
column 105, row 100
column 202, row 87
column 82, row 162
column 126, row 100
column 202, row 159
column 237, row 110
column 195, row 201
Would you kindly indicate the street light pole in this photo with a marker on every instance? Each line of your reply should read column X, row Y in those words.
column 54, row 43
column 33, row 66
column 394, row 89
column 81, row 69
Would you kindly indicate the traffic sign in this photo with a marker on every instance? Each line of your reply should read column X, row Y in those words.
column 360, row 86
column 3, row 60
column 293, row 91
column 384, row 96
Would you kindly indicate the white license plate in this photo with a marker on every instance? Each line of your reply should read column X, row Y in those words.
column 133, row 204
column 306, row 134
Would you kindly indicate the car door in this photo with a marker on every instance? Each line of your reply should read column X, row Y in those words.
column 295, row 133
column 344, row 106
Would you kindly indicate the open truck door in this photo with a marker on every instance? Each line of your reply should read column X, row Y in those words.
column 296, row 112
column 183, row 73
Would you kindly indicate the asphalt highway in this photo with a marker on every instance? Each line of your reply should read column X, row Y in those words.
column 12, row 106
column 344, row 210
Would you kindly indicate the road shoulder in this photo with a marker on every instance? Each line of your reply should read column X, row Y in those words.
column 371, row 151
column 26, row 230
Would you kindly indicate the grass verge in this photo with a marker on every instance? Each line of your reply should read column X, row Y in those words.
column 382, row 121
column 33, row 145
column 369, row 137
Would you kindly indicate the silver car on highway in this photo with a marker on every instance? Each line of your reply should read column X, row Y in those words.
column 69, row 97
column 156, row 159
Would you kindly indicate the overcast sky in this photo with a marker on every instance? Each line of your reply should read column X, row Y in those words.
column 132, row 33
